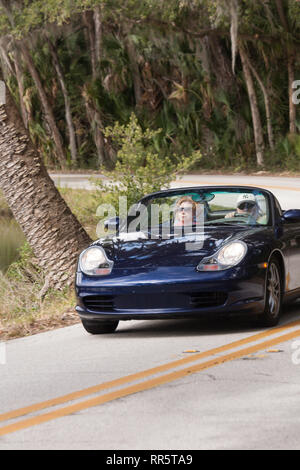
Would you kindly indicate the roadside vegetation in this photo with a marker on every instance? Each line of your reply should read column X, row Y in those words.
column 22, row 310
column 141, row 91
column 212, row 75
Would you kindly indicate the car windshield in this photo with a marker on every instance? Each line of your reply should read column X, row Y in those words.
column 201, row 208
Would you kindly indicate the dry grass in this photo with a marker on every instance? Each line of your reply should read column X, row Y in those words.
column 83, row 204
column 4, row 209
column 11, row 238
column 22, row 313
column 47, row 319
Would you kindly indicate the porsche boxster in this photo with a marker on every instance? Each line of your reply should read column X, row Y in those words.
column 189, row 252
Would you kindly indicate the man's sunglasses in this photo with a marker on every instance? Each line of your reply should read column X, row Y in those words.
column 246, row 205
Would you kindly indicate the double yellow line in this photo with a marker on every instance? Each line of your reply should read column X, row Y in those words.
column 145, row 384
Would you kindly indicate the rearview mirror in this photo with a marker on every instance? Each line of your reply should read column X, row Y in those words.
column 292, row 216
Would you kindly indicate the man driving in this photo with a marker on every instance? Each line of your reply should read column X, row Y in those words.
column 246, row 206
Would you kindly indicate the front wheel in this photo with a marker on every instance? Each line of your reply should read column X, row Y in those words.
column 274, row 295
column 99, row 327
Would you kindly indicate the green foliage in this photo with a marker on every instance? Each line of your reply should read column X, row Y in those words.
column 187, row 88
column 84, row 206
column 20, row 303
column 139, row 169
column 20, row 286
column 23, row 264
column 11, row 239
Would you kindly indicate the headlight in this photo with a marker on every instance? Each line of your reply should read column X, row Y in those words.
column 94, row 262
column 230, row 255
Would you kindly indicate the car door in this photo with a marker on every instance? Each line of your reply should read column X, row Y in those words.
column 289, row 235
column 292, row 236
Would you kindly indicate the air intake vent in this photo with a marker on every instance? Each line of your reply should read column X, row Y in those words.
column 207, row 299
column 99, row 302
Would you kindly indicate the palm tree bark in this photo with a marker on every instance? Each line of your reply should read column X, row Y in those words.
column 51, row 229
column 257, row 127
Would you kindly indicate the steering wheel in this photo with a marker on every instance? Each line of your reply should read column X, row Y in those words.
column 241, row 215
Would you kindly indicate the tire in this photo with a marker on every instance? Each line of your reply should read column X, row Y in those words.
column 99, row 327
column 274, row 294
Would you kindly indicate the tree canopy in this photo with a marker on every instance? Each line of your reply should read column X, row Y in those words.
column 213, row 75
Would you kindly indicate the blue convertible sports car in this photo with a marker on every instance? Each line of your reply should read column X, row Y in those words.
column 190, row 252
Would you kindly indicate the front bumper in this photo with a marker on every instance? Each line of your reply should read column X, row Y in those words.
column 167, row 293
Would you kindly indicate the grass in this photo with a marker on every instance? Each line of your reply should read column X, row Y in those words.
column 22, row 312
column 83, row 204
column 11, row 238
column 4, row 209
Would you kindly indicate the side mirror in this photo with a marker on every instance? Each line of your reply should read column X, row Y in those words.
column 292, row 216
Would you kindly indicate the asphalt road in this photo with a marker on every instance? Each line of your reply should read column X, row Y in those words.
column 285, row 188
column 173, row 384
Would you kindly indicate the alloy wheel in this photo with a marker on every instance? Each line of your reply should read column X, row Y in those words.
column 274, row 290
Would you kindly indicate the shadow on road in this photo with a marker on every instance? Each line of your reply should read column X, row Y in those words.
column 200, row 326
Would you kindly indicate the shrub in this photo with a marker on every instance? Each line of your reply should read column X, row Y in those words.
column 139, row 169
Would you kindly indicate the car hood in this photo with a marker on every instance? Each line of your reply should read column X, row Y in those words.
column 136, row 250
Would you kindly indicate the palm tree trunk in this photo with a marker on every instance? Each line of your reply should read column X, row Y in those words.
column 68, row 113
column 15, row 69
column 49, row 115
column 95, row 121
column 89, row 24
column 134, row 66
column 257, row 127
column 51, row 229
column 292, row 106
column 98, row 34
column 267, row 104
column 6, row 63
column 19, row 77
column 290, row 66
